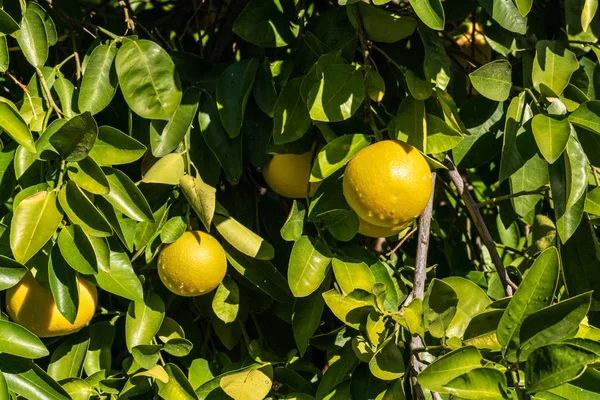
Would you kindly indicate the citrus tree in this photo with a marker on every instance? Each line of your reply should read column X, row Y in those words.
column 291, row 199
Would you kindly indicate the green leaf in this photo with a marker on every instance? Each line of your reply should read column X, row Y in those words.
column 576, row 165
column 121, row 278
column 588, row 13
column 506, row 14
column 336, row 154
column 126, row 197
column 233, row 90
column 291, row 119
column 143, row 320
column 12, row 123
column 227, row 150
column 226, row 302
column 552, row 67
column 261, row 274
column 18, row 341
column 177, row 386
column 48, row 23
column 587, row 116
column 382, row 26
column 553, row 365
column 437, row 63
column 352, row 309
column 580, row 261
column 114, row 147
column 493, row 80
column 7, row 24
column 67, row 360
column 481, row 331
column 338, row 94
column 248, row 385
column 173, row 229
column 34, row 222
column 25, row 378
column 524, row 6
column 306, row 316
column 263, row 91
column 448, row 367
column 584, row 387
column 535, row 292
column 75, row 139
column 32, row 38
column 553, row 323
column 99, row 83
column 431, row 12
column 148, row 79
column 89, row 176
column 168, row 170
column 352, row 274
column 242, row 238
column 440, row 136
column 308, row 266
column 11, row 272
column 64, row 285
column 177, row 127
column 267, row 23
column 99, row 356
column 439, row 307
column 293, row 227
column 471, row 301
column 4, row 54
column 335, row 374
column 199, row 373
column 178, row 347
column 410, row 124
column 201, row 197
column 65, row 90
column 81, row 211
column 551, row 135
column 479, row 383
column 387, row 364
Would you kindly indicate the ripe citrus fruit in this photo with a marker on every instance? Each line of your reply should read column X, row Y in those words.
column 288, row 174
column 475, row 45
column 30, row 304
column 367, row 229
column 388, row 183
column 193, row 265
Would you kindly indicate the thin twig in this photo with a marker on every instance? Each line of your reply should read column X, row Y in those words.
column 418, row 291
column 477, row 218
column 404, row 239
column 48, row 93
column 512, row 196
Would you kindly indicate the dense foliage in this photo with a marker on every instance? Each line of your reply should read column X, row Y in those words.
column 125, row 123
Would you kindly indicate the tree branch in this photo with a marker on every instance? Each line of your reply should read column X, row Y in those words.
column 477, row 218
column 418, row 291
column 495, row 200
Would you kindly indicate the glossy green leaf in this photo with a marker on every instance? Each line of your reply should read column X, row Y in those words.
column 552, row 67
column 437, row 64
column 77, row 250
column 293, row 227
column 114, row 147
column 125, row 196
column 553, row 365
column 4, row 54
column 479, row 383
column 387, row 364
column 535, row 292
column 64, row 285
column 448, row 367
column 67, row 360
column 587, row 116
column 242, row 238
column 263, row 91
column 431, row 12
column 493, row 80
column 32, row 38
column 148, row 79
column 81, row 211
column 12, row 123
column 506, row 13
column 7, row 24
column 167, row 170
column 439, row 307
column 248, row 385
column 11, row 272
column 588, row 13
column 179, row 124
column 143, row 320
column 352, row 274
column 48, row 23
column 99, row 83
column 65, row 90
column 177, row 386
column 173, row 229
column 227, row 151
column 25, row 378
column 335, row 374
column 233, row 91
column 88, row 175
column 28, row 234
column 291, row 119
column 553, row 323
column 78, row 389
column 306, row 316
column 551, row 135
column 336, row 154
column 199, row 373
column 267, row 23
column 201, row 197
column 226, row 302
column 308, row 266
column 338, row 94
column 75, row 139
column 99, row 356
column 382, row 26
column 352, row 309
column 18, row 341
column 471, row 301
column 440, row 136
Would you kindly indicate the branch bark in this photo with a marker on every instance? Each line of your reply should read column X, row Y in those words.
column 418, row 291
column 477, row 218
